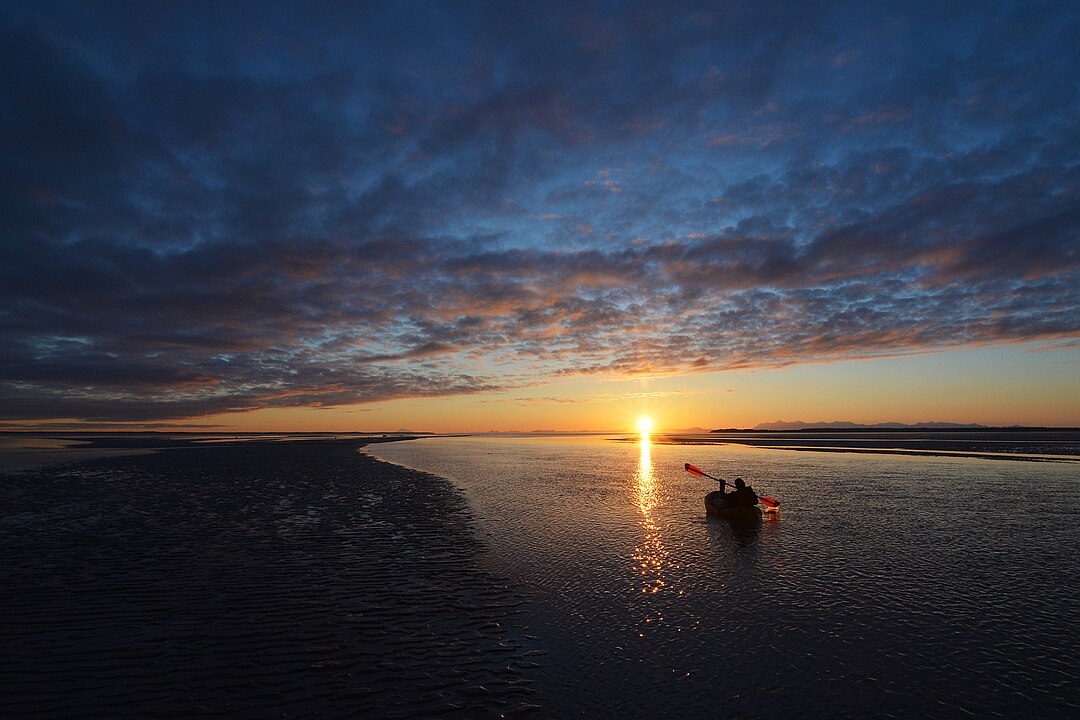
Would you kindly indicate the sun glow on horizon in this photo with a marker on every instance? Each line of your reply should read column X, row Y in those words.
column 645, row 425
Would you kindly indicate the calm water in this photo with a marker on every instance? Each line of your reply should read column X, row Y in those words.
column 889, row 585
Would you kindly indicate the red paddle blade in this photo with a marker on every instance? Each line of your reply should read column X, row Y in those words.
column 695, row 470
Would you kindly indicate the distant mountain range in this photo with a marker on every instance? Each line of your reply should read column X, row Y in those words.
column 800, row 425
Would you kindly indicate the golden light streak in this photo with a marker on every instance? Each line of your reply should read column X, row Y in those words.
column 650, row 556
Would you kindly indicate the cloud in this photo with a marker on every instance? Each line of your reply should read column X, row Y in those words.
column 314, row 208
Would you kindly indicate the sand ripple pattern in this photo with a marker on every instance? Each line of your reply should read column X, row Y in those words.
column 266, row 580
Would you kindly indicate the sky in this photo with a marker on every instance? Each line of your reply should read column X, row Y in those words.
column 472, row 216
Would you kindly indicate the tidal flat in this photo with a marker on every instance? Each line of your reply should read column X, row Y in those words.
column 552, row 577
column 256, row 579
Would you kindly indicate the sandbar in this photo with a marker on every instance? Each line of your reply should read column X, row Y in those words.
column 253, row 579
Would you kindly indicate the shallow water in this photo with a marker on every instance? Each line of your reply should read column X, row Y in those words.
column 888, row 586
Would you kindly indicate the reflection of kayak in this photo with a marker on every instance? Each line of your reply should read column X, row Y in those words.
column 716, row 505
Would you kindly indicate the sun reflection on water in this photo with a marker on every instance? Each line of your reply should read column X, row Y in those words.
column 651, row 556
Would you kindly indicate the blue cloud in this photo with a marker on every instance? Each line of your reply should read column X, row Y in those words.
column 263, row 205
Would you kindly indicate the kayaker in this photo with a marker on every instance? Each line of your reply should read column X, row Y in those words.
column 743, row 495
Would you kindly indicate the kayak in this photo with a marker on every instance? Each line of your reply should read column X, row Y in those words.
column 716, row 505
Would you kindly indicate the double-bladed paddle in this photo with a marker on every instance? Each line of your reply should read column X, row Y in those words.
column 695, row 470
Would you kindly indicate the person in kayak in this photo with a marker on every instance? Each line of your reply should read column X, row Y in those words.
column 743, row 495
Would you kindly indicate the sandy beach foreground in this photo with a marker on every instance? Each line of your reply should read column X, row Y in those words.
column 259, row 579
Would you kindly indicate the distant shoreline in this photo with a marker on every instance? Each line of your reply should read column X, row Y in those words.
column 902, row 429
column 22, row 451
column 1029, row 444
column 34, row 450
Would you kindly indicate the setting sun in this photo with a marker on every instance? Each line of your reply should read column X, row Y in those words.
column 645, row 425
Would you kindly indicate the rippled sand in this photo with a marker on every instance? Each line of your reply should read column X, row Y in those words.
column 257, row 580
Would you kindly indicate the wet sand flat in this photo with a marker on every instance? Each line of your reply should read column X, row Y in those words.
column 260, row 580
column 19, row 453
